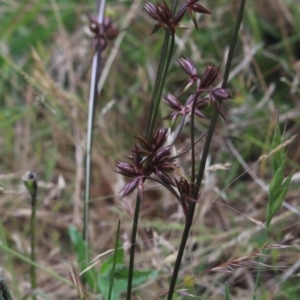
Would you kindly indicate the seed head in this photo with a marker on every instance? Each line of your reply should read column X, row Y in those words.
column 163, row 15
column 103, row 33
column 209, row 76
column 193, row 8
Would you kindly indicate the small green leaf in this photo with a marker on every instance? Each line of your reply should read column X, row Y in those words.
column 275, row 143
column 280, row 198
column 277, row 188
column 227, row 292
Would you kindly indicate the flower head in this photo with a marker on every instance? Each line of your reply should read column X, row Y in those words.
column 216, row 96
column 148, row 156
column 189, row 68
column 186, row 109
column 163, row 15
column 209, row 76
column 185, row 188
column 193, row 7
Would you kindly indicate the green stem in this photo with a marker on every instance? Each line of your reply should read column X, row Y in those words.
column 33, row 242
column 30, row 182
column 150, row 128
column 164, row 64
column 193, row 159
column 161, row 85
column 191, row 210
column 161, row 76
column 259, row 267
column 132, row 247
column 155, row 99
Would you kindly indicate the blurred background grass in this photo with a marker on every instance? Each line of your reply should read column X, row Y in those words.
column 45, row 59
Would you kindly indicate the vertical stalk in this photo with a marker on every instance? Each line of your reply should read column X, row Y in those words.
column 161, row 76
column 259, row 267
column 193, row 156
column 191, row 209
column 95, row 75
column 132, row 247
column 163, row 67
column 29, row 180
column 155, row 99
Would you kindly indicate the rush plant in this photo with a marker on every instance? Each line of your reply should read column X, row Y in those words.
column 151, row 156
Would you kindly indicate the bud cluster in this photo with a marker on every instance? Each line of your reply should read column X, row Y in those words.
column 103, row 33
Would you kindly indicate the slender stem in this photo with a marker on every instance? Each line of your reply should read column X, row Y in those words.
column 150, row 128
column 233, row 42
column 161, row 85
column 259, row 267
column 89, row 140
column 161, row 76
column 164, row 64
column 30, row 182
column 191, row 209
column 33, row 242
column 193, row 142
column 155, row 99
column 189, row 148
column 132, row 247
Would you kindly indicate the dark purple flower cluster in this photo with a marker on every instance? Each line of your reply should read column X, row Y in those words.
column 148, row 156
column 211, row 96
column 152, row 157
column 185, row 189
column 103, row 33
column 165, row 20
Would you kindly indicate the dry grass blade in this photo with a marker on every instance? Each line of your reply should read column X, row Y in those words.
column 76, row 281
column 97, row 259
column 278, row 148
column 249, row 262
